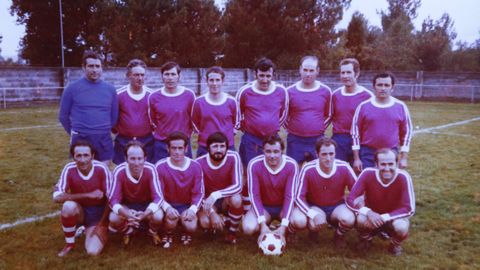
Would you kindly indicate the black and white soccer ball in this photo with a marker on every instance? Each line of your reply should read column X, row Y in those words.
column 271, row 244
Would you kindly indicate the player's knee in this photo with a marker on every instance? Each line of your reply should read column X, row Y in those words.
column 157, row 217
column 361, row 222
column 204, row 221
column 190, row 225
column 347, row 218
column 93, row 251
column 236, row 201
column 401, row 227
column 114, row 219
column 69, row 208
column 248, row 227
column 299, row 221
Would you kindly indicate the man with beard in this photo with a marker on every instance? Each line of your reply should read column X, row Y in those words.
column 222, row 174
column 182, row 183
column 321, row 193
column 82, row 189
column 389, row 202
column 214, row 111
column 133, row 121
column 308, row 111
column 136, row 195
column 344, row 102
column 271, row 186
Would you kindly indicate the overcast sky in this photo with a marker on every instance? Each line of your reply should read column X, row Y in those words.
column 463, row 12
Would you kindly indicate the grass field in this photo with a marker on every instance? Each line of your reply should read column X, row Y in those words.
column 445, row 232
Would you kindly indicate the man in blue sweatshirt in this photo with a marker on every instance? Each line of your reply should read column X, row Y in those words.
column 89, row 108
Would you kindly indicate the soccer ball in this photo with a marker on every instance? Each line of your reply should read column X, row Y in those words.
column 271, row 244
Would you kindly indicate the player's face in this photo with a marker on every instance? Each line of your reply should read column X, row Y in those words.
column 92, row 69
column 137, row 77
column 309, row 71
column 387, row 166
column 264, row 78
column 135, row 160
column 326, row 157
column 217, row 151
column 170, row 78
column 83, row 158
column 347, row 75
column 214, row 83
column 273, row 154
column 177, row 150
column 383, row 88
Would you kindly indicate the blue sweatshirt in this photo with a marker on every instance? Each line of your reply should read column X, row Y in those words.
column 88, row 107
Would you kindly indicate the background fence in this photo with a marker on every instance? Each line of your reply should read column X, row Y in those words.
column 26, row 86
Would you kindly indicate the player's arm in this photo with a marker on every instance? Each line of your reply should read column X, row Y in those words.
column 196, row 116
column 236, row 180
column 197, row 193
column 65, row 108
column 254, row 193
column 289, row 195
column 301, row 198
column 405, row 138
column 406, row 205
column 355, row 132
column 151, row 112
column 115, row 108
column 284, row 108
column 61, row 197
column 327, row 110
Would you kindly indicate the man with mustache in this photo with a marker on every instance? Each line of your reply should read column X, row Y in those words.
column 381, row 122
column 321, row 193
column 389, row 202
column 222, row 174
column 82, row 191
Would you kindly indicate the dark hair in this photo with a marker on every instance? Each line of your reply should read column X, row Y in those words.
column 383, row 75
column 384, row 151
column 353, row 61
column 217, row 137
column 324, row 141
column 90, row 54
column 81, row 143
column 215, row 69
column 273, row 139
column 169, row 65
column 134, row 143
column 177, row 135
column 135, row 63
column 264, row 64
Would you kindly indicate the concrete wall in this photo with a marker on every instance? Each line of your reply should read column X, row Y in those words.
column 23, row 86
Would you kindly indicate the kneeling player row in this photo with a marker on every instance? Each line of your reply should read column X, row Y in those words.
column 190, row 192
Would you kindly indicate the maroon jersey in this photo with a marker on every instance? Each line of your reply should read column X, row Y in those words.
column 73, row 182
column 321, row 189
column 393, row 200
column 127, row 190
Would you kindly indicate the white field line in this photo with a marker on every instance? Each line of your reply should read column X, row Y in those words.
column 38, row 218
column 27, row 220
column 30, row 112
column 453, row 134
column 29, row 127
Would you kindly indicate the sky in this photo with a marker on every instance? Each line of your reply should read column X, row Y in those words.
column 463, row 13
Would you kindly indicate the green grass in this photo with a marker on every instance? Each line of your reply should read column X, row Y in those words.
column 445, row 232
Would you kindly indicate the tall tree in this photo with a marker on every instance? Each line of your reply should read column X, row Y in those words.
column 283, row 30
column 433, row 42
column 41, row 43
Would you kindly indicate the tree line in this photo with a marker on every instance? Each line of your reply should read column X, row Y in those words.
column 197, row 33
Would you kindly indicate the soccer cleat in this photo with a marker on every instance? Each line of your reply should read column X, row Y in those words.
column 384, row 235
column 364, row 245
column 66, row 249
column 186, row 239
column 395, row 250
column 231, row 238
column 167, row 240
column 339, row 241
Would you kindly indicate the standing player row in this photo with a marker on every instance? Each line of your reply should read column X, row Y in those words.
column 362, row 123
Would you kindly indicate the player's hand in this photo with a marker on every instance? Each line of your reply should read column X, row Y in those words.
column 281, row 230
column 217, row 221
column 141, row 215
column 402, row 162
column 96, row 194
column 208, row 203
column 188, row 215
column 264, row 228
column 172, row 213
column 357, row 165
column 375, row 219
